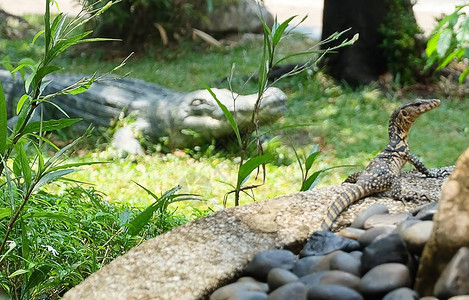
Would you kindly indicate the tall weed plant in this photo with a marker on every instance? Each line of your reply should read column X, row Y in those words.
column 252, row 135
column 49, row 243
column 24, row 168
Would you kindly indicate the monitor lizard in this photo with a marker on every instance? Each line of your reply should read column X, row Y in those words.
column 381, row 173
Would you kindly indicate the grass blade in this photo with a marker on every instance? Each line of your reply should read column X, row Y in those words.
column 52, row 176
column 228, row 115
column 3, row 123
column 246, row 169
column 49, row 125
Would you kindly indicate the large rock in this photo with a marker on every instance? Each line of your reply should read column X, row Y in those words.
column 237, row 16
column 451, row 225
column 195, row 259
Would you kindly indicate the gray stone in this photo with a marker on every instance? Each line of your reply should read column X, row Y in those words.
column 229, row 290
column 351, row 233
column 237, row 16
column 401, row 227
column 454, row 280
column 332, row 292
column 345, row 262
column 324, row 242
column 371, row 234
column 278, row 277
column 374, row 209
column 293, row 290
column 305, row 265
column 248, row 295
column 429, row 298
column 390, row 249
column 417, row 235
column 261, row 264
column 427, row 211
column 384, row 278
column 248, row 279
column 336, row 277
column 313, row 278
column 357, row 254
column 402, row 294
column 386, row 220
column 323, row 264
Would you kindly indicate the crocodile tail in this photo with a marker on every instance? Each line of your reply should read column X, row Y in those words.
column 351, row 194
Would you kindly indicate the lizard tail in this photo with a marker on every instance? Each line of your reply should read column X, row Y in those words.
column 351, row 194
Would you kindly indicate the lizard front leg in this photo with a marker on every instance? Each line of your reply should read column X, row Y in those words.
column 421, row 167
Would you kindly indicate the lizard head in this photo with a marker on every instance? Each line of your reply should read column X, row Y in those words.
column 402, row 118
column 405, row 116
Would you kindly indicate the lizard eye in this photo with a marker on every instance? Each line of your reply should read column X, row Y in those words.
column 197, row 102
column 404, row 113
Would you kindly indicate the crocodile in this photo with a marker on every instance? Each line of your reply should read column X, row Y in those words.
column 188, row 119
column 381, row 173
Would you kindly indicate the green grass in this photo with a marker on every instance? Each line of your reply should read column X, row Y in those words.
column 350, row 124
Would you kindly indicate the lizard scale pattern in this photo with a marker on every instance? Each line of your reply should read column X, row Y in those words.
column 381, row 173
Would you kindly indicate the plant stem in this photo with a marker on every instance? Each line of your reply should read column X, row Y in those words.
column 16, row 215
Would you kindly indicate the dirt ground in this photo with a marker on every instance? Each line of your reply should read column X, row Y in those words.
column 425, row 10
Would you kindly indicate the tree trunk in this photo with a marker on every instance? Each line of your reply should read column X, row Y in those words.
column 364, row 61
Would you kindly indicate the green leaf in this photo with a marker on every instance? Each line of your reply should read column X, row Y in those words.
column 82, row 87
column 52, row 176
column 23, row 163
column 278, row 31
column 246, row 169
column 37, row 36
column 63, row 45
column 462, row 34
column 25, row 62
column 312, row 158
column 463, row 75
column 78, row 164
column 3, row 123
column 61, row 152
column 431, row 44
column 42, row 72
column 228, row 116
column 38, row 276
column 57, row 25
column 51, row 215
column 21, row 102
column 448, row 19
column 25, row 250
column 444, row 42
column 49, row 125
column 5, row 212
column 455, row 54
column 312, row 180
column 18, row 272
column 29, row 80
column 142, row 219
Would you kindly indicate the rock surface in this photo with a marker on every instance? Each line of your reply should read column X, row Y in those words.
column 237, row 16
column 454, row 280
column 193, row 260
column 451, row 225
